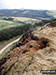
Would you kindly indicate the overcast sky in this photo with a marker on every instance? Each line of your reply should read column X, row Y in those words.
column 28, row 4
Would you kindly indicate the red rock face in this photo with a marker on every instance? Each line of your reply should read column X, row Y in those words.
column 29, row 43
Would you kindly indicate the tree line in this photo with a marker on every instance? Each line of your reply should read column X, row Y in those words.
column 6, row 34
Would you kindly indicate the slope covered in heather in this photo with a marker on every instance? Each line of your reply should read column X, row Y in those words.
column 34, row 52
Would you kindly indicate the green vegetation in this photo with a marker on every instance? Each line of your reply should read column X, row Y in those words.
column 13, row 26
column 52, row 14
column 10, row 29
column 6, row 34
column 4, row 43
column 26, row 20
column 8, row 24
column 43, row 22
column 9, row 18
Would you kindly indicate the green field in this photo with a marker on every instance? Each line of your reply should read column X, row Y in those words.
column 4, row 24
column 8, row 24
column 26, row 20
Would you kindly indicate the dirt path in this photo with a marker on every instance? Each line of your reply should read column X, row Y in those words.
column 1, row 51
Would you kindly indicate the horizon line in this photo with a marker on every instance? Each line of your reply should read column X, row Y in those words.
column 25, row 9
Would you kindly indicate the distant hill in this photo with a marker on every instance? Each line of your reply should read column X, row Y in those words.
column 40, row 14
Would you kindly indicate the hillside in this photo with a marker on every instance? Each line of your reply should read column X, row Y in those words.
column 35, row 51
column 39, row 14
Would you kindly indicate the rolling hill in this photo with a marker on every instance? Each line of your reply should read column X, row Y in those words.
column 40, row 14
